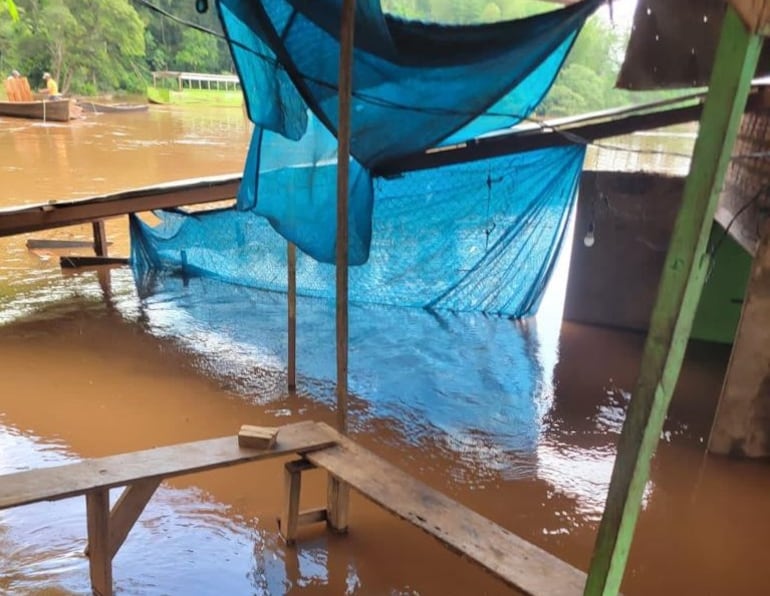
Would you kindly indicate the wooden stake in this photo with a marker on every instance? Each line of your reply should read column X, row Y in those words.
column 678, row 294
column 343, row 167
column 100, row 559
column 100, row 238
column 338, row 494
column 291, row 257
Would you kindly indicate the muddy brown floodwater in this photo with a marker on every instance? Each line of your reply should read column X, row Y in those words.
column 516, row 420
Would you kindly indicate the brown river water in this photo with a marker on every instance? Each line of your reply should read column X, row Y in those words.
column 516, row 420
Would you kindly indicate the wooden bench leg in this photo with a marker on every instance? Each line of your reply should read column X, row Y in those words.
column 100, row 561
column 337, row 504
column 292, row 518
column 108, row 529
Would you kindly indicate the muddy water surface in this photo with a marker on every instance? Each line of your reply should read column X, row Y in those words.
column 517, row 421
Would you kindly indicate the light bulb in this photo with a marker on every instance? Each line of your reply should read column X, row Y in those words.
column 589, row 239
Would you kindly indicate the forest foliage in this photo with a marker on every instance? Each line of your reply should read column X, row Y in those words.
column 97, row 46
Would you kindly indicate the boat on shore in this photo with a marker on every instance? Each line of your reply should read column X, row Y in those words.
column 103, row 108
column 58, row 110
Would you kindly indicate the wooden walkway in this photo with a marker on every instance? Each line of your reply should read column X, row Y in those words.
column 55, row 214
column 515, row 561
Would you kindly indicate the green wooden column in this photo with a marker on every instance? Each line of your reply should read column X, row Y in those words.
column 678, row 294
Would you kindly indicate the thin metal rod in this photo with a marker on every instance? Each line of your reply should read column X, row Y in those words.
column 291, row 257
column 343, row 165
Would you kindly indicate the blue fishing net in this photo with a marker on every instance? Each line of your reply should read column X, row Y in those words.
column 480, row 236
column 415, row 86
column 468, row 237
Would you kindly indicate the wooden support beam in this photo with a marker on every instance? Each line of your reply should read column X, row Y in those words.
column 100, row 559
column 741, row 420
column 100, row 238
column 127, row 510
column 28, row 218
column 291, row 258
column 683, row 276
column 529, row 140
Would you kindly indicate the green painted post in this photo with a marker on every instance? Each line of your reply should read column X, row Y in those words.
column 678, row 294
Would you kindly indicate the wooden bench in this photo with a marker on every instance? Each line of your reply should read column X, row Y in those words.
column 141, row 472
column 520, row 564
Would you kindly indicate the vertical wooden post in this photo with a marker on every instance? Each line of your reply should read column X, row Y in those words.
column 678, row 294
column 99, row 555
column 740, row 422
column 339, row 493
column 292, row 482
column 100, row 238
column 291, row 257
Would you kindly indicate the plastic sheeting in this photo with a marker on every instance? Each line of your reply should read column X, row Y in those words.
column 468, row 237
column 415, row 86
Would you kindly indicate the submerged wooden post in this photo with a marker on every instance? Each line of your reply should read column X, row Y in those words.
column 338, row 492
column 100, row 238
column 100, row 557
column 291, row 257
column 678, row 294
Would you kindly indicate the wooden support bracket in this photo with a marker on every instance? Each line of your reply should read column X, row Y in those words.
column 108, row 531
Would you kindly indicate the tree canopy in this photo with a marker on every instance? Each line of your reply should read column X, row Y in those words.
column 94, row 46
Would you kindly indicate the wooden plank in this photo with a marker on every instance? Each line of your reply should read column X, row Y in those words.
column 74, row 262
column 50, row 244
column 128, row 509
column 517, row 562
column 531, row 138
column 685, row 269
column 99, row 558
column 42, row 216
column 60, row 482
column 257, row 437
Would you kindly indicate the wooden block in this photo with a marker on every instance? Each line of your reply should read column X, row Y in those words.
column 257, row 437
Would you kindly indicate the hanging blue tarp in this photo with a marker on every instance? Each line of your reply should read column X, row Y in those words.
column 468, row 237
column 415, row 86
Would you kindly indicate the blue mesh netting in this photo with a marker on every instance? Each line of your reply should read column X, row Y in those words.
column 468, row 237
column 480, row 236
column 415, row 86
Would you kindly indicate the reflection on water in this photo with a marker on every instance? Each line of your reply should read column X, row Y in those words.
column 517, row 421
